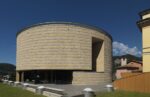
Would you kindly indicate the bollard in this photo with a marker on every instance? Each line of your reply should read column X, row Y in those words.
column 109, row 88
column 25, row 85
column 40, row 89
column 2, row 80
column 88, row 92
column 10, row 82
column 16, row 83
column 5, row 81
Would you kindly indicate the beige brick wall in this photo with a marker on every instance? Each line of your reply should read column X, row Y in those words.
column 61, row 46
column 90, row 78
column 54, row 46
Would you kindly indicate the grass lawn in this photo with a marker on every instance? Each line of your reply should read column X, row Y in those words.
column 8, row 91
column 122, row 94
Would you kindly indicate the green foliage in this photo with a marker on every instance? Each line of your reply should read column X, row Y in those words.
column 7, row 91
column 7, row 68
column 122, row 94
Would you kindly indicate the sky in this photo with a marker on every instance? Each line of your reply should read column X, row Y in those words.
column 117, row 17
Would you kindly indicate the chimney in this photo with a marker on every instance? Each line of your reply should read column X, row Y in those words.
column 123, row 61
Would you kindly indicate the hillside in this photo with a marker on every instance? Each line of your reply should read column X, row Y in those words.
column 129, row 58
column 6, row 68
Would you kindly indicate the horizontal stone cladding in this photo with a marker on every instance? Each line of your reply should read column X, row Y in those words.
column 60, row 46
column 108, row 55
column 55, row 46
column 107, row 51
column 90, row 78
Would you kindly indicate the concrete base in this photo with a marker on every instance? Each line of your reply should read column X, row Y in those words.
column 90, row 78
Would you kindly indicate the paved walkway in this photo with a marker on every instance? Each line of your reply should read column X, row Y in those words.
column 75, row 90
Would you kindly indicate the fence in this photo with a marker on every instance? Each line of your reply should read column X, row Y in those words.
column 136, row 83
column 128, row 74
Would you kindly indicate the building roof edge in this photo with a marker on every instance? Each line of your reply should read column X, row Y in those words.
column 70, row 23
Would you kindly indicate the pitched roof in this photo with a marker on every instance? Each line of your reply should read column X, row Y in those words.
column 133, row 64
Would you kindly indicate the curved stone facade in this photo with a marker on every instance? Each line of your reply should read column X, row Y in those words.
column 64, row 46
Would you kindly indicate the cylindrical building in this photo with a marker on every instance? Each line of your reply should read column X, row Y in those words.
column 64, row 52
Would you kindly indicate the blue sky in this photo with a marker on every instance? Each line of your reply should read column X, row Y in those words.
column 117, row 17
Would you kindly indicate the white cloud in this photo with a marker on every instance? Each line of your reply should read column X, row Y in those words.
column 122, row 49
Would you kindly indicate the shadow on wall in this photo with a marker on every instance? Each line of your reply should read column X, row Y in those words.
column 96, row 48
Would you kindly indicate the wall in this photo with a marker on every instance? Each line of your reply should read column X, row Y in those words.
column 136, row 83
column 146, row 48
column 61, row 46
column 54, row 46
column 120, row 71
column 144, row 25
column 90, row 78
column 128, row 74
